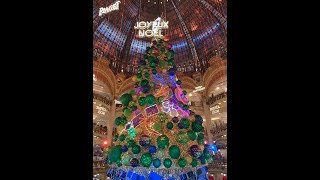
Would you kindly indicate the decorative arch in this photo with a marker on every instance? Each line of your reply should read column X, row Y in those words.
column 126, row 85
column 104, row 74
column 216, row 71
column 187, row 82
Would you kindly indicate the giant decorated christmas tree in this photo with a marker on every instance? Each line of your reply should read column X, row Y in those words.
column 158, row 136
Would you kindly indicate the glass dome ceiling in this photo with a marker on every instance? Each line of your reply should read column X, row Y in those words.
column 197, row 31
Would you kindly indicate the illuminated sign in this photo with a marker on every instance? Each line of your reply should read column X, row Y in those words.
column 101, row 110
column 215, row 109
column 112, row 7
column 151, row 28
column 199, row 88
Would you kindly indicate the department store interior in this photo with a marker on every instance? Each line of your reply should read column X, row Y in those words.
column 197, row 30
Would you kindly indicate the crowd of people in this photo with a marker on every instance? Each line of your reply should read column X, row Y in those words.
column 100, row 129
column 218, row 128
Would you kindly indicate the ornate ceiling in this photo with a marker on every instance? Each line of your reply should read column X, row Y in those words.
column 197, row 31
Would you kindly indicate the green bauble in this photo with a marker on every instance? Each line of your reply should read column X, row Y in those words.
column 192, row 135
column 182, row 162
column 132, row 92
column 207, row 155
column 162, row 141
column 200, row 135
column 200, row 141
column 182, row 137
column 115, row 137
column 163, row 64
column 136, row 149
column 115, row 153
column 139, row 76
column 185, row 122
column 160, row 99
column 145, row 56
column 197, row 126
column 146, row 75
column 170, row 62
column 127, row 112
column 153, row 64
column 130, row 143
column 210, row 160
column 150, row 58
column 132, row 132
column 167, row 163
column 184, row 92
column 185, row 107
column 174, row 152
column 122, row 137
column 169, row 125
column 150, row 99
column 146, row 159
column 144, row 83
column 125, row 159
column 157, row 126
column 133, row 108
column 123, row 121
column 118, row 121
column 125, row 99
column 203, row 161
column 194, row 163
column 142, row 101
column 162, row 117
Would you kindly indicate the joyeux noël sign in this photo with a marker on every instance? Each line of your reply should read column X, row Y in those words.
column 112, row 7
column 151, row 28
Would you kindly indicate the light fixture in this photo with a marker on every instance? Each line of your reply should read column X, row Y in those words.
column 217, row 88
column 224, row 101
column 155, row 2
column 219, row 103
column 215, row 118
column 161, row 2
column 190, row 94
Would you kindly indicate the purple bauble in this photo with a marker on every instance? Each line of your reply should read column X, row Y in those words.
column 134, row 162
column 195, row 151
column 180, row 125
column 145, row 140
column 175, row 119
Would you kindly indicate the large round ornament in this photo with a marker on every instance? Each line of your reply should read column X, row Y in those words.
column 174, row 152
column 197, row 126
column 194, row 151
column 150, row 99
column 146, row 160
column 125, row 99
column 136, row 149
column 192, row 135
column 145, row 140
column 182, row 162
column 142, row 101
column 127, row 112
column 162, row 141
column 182, row 137
column 157, row 126
column 115, row 153
column 167, row 163
column 156, row 163
column 185, row 122
column 134, row 162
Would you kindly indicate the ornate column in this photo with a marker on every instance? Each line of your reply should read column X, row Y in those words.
column 208, row 119
column 111, row 122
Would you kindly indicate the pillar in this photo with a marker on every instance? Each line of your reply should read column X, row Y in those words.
column 208, row 119
column 111, row 122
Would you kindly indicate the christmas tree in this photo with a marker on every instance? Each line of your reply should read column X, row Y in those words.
column 158, row 136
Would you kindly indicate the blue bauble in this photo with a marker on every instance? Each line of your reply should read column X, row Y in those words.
column 134, row 162
column 156, row 163
column 178, row 82
column 124, row 148
column 142, row 62
column 201, row 157
column 172, row 71
column 180, row 125
column 198, row 118
column 152, row 149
